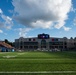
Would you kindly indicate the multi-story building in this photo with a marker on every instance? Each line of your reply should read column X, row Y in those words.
column 45, row 42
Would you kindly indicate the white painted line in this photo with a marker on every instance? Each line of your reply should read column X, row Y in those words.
column 37, row 72
column 8, row 56
column 21, row 53
column 37, row 59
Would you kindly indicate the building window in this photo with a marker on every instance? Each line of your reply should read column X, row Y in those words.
column 29, row 39
column 74, row 43
column 61, row 47
column 20, row 47
column 65, row 43
column 26, row 47
column 30, row 43
column 33, row 39
column 43, row 42
column 31, row 47
column 55, row 43
column 43, row 46
column 65, row 46
column 56, row 46
column 21, row 43
column 52, row 39
column 35, row 47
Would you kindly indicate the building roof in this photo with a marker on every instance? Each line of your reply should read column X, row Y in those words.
column 5, row 44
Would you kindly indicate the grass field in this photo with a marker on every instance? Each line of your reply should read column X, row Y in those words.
column 38, row 63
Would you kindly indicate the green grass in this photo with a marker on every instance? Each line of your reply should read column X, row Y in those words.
column 38, row 61
column 37, row 74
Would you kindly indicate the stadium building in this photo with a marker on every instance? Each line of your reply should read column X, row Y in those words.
column 45, row 42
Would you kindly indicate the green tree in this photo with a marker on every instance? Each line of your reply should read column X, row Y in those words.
column 8, row 42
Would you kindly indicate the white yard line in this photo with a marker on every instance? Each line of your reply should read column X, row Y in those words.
column 21, row 53
column 8, row 56
column 37, row 59
column 37, row 72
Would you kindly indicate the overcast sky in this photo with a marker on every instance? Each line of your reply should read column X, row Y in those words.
column 28, row 18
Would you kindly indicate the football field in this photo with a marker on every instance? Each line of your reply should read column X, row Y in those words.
column 38, row 63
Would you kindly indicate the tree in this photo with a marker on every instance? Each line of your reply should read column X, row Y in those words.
column 8, row 42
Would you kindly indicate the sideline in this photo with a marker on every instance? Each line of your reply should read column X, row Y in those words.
column 36, row 72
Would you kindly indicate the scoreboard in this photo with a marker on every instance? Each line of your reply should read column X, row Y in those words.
column 43, row 36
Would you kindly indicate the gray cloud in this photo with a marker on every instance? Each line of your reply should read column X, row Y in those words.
column 42, row 13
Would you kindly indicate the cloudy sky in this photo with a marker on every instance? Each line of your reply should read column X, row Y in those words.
column 27, row 18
